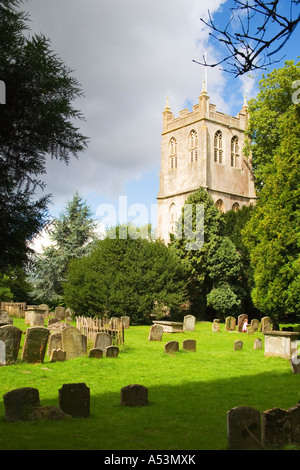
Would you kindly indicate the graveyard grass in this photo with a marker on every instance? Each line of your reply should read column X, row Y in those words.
column 189, row 393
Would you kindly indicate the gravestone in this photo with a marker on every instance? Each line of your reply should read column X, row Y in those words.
column 254, row 324
column 57, row 355
column 257, row 343
column 2, row 353
column 215, row 327
column 243, row 428
column 20, row 402
column 230, row 323
column 71, row 342
column 102, row 340
column 238, row 345
column 276, row 428
column 54, row 342
column 241, row 320
column 60, row 312
column 295, row 424
column 295, row 364
column 35, row 344
column 35, row 317
column 112, row 351
column 265, row 324
column 11, row 336
column 189, row 322
column 96, row 352
column 134, row 395
column 5, row 319
column 51, row 321
column 49, row 412
column 189, row 345
column 74, row 399
column 125, row 321
column 156, row 332
column 171, row 346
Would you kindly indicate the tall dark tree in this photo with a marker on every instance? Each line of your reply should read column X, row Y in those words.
column 36, row 123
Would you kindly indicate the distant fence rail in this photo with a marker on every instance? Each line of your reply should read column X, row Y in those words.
column 89, row 326
column 14, row 308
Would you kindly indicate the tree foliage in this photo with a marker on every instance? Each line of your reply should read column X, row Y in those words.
column 272, row 233
column 71, row 236
column 136, row 277
column 36, row 123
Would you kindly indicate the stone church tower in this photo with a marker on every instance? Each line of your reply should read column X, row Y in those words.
column 203, row 147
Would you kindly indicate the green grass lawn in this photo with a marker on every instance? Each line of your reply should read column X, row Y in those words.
column 189, row 393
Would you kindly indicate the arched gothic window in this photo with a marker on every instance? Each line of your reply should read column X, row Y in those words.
column 235, row 207
column 235, row 156
column 193, row 147
column 173, row 217
column 220, row 205
column 218, row 148
column 173, row 153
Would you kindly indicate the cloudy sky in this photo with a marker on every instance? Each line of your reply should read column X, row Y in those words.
column 129, row 55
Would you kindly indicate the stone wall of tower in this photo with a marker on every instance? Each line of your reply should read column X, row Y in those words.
column 229, row 186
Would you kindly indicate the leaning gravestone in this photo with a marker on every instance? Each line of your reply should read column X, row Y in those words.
column 54, row 342
column 134, row 395
column 254, row 324
column 60, row 313
column 230, row 323
column 20, row 402
column 189, row 322
column 257, row 343
column 112, row 351
column 243, row 428
column 35, row 344
column 276, row 428
column 189, row 345
column 238, row 345
column 71, row 342
column 96, row 353
column 265, row 324
column 57, row 355
column 11, row 336
column 74, row 399
column 156, row 332
column 171, row 346
column 102, row 340
column 5, row 319
column 241, row 320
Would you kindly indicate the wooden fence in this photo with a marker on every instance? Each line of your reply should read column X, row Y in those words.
column 89, row 326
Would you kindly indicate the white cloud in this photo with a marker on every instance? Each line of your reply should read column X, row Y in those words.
column 127, row 55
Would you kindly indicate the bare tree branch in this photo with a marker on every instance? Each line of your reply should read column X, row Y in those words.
column 262, row 32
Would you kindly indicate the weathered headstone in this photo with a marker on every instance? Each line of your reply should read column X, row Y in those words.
column 189, row 344
column 276, row 428
column 5, row 319
column 74, row 399
column 102, row 340
column 52, row 321
column 134, row 395
column 265, row 324
column 171, row 346
column 112, row 351
column 156, row 332
column 244, row 428
column 230, row 323
column 20, row 402
column 2, row 353
column 35, row 344
column 238, row 345
column 254, row 324
column 49, row 412
column 295, row 424
column 11, row 336
column 71, row 342
column 57, row 355
column 54, row 342
column 295, row 364
column 215, row 327
column 125, row 321
column 257, row 343
column 241, row 320
column 84, row 343
column 96, row 352
column 189, row 322
column 60, row 313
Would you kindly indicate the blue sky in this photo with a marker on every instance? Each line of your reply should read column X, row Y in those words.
column 128, row 56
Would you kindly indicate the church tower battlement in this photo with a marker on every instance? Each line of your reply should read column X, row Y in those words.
column 204, row 148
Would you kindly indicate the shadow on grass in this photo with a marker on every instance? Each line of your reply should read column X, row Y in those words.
column 187, row 416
